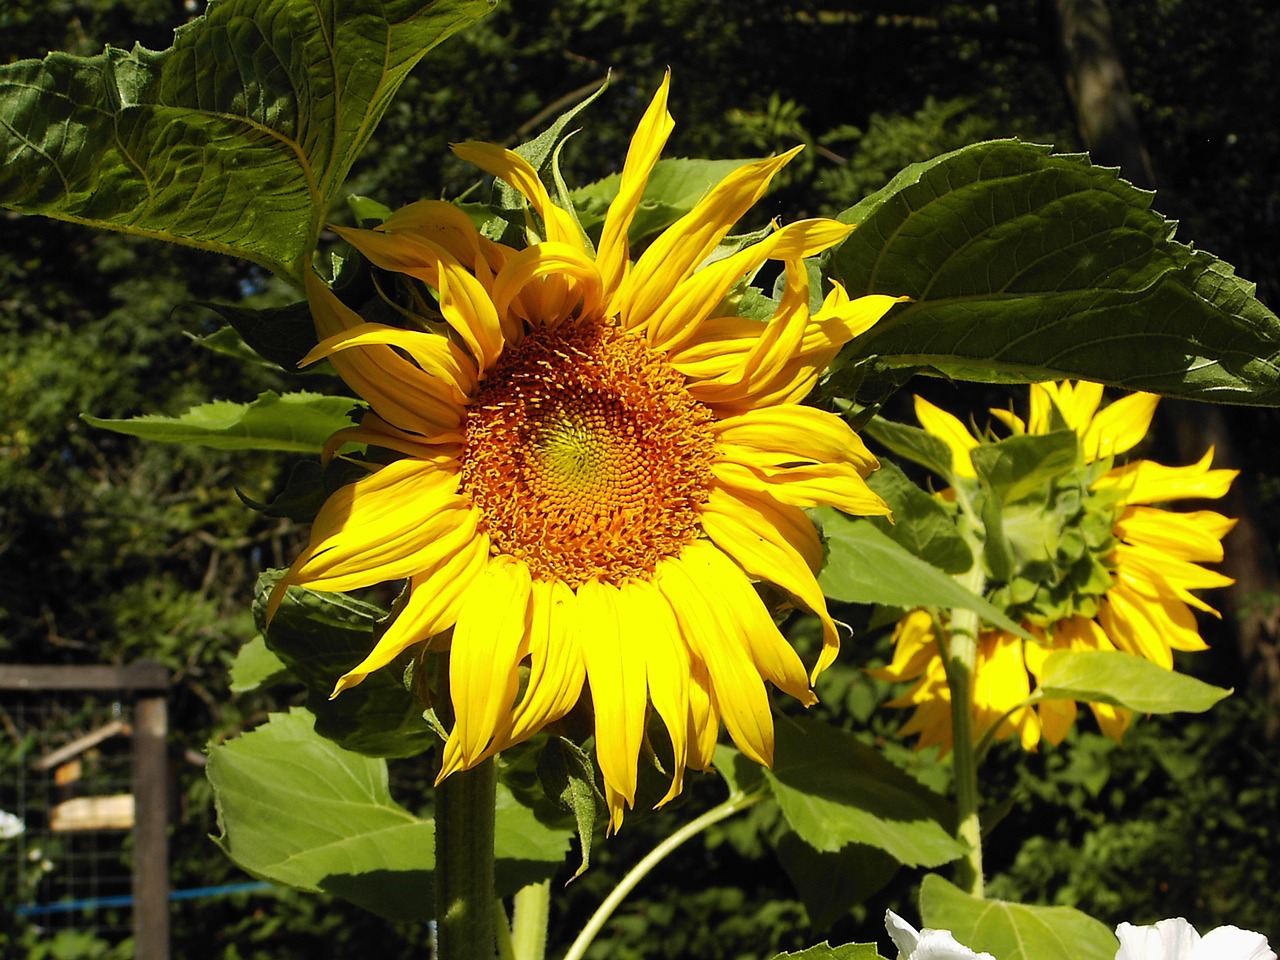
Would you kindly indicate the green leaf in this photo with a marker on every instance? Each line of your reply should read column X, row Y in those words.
column 921, row 522
column 1111, row 676
column 568, row 777
column 1018, row 466
column 236, row 139
column 282, row 335
column 1013, row 931
column 865, row 566
column 832, row 884
column 298, row 810
column 913, row 443
column 294, row 422
column 834, row 790
column 674, row 187
column 824, row 951
column 320, row 636
column 255, row 666
column 1025, row 265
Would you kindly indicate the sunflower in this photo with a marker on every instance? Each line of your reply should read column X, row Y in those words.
column 595, row 463
column 1135, row 595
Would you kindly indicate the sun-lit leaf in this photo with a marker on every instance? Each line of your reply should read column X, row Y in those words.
column 296, row 809
column 824, row 951
column 236, row 139
column 1026, row 265
column 255, row 666
column 834, row 791
column 921, row 522
column 293, row 422
column 866, row 566
column 1013, row 931
column 1110, row 676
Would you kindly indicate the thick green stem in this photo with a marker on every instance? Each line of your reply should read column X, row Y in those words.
column 735, row 803
column 961, row 660
column 465, row 915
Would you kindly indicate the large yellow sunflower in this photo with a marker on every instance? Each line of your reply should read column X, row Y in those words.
column 596, row 461
column 1140, row 604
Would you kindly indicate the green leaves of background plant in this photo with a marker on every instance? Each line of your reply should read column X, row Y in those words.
column 1012, row 931
column 1110, row 676
column 236, row 139
column 294, row 422
column 298, row 810
column 1026, row 265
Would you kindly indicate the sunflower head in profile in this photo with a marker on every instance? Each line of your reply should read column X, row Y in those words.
column 1085, row 560
column 592, row 461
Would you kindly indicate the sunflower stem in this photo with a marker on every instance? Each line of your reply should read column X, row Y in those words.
column 736, row 803
column 465, row 911
column 961, row 662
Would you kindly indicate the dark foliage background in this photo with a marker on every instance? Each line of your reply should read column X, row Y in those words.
column 112, row 550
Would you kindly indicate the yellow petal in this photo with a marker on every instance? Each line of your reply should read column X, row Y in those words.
column 650, row 624
column 396, row 389
column 678, row 251
column 517, row 290
column 449, row 372
column 1120, row 426
column 1195, row 536
column 794, row 433
column 704, row 717
column 517, row 171
column 616, row 671
column 1000, row 685
column 819, row 485
column 435, row 598
column 777, row 543
column 483, row 660
column 614, row 251
column 446, row 225
column 1077, row 402
column 1145, row 481
column 709, row 627
column 556, row 667
column 950, row 431
column 914, row 646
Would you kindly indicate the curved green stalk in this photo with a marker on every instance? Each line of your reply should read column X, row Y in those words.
column 735, row 803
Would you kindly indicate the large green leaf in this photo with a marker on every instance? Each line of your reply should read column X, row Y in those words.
column 1026, row 265
column 294, row 422
column 921, row 523
column 1110, row 676
column 298, row 810
column 236, row 139
column 865, row 566
column 834, row 790
column 1013, row 931
column 320, row 636
column 824, row 951
column 295, row 809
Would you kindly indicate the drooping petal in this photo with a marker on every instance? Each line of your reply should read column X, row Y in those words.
column 516, row 170
column 518, row 289
column 492, row 626
column 447, row 226
column 435, row 599
column 794, row 433
column 449, row 372
column 557, row 670
column 704, row 716
column 378, row 528
column 397, row 390
column 617, row 674
column 777, row 543
column 709, row 627
column 1195, row 536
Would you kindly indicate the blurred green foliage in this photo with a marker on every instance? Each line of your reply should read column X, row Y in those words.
column 112, row 549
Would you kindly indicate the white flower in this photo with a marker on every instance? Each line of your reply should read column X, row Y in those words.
column 1177, row 940
column 10, row 825
column 928, row 944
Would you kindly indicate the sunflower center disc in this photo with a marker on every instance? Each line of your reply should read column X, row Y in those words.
column 586, row 456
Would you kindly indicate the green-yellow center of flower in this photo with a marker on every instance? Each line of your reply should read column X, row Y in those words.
column 586, row 456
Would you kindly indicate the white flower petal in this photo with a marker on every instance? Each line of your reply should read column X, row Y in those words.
column 1232, row 943
column 927, row 944
column 902, row 934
